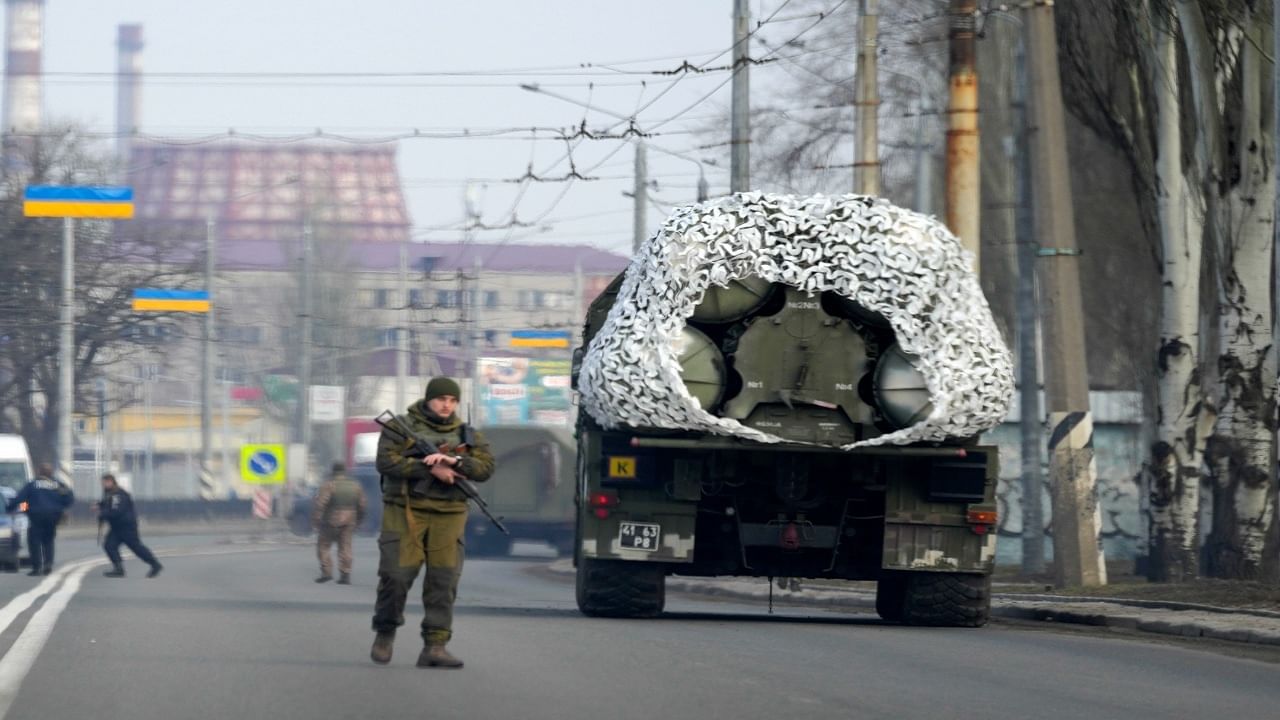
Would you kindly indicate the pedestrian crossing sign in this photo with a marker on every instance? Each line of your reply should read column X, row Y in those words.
column 262, row 464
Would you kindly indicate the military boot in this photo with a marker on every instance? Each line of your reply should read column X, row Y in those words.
column 344, row 579
column 437, row 656
column 155, row 570
column 382, row 645
column 116, row 571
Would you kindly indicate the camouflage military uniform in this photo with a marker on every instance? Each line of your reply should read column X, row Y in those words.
column 423, row 522
column 339, row 509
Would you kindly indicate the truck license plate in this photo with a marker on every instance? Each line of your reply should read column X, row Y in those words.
column 639, row 536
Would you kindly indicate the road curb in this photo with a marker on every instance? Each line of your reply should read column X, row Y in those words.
column 1148, row 616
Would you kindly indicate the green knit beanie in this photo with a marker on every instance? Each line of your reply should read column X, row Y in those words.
column 443, row 386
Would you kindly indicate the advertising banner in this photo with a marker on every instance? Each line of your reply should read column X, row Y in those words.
column 524, row 391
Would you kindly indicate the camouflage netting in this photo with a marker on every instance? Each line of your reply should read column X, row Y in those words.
column 903, row 265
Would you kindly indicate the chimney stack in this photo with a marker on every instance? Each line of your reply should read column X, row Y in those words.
column 23, row 45
column 128, row 90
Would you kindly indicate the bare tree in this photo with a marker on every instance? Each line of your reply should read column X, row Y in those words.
column 109, row 267
column 1232, row 84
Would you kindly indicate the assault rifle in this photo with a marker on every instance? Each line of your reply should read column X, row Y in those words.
column 393, row 424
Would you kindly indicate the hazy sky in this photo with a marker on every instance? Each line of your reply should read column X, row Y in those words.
column 416, row 36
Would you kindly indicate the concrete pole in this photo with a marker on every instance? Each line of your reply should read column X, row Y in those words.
column 67, row 350
column 641, row 199
column 304, row 356
column 1027, row 311
column 867, row 163
column 963, row 184
column 224, row 388
column 477, row 340
column 151, row 432
column 1077, row 520
column 402, row 332
column 740, row 140
column 924, row 164
column 579, row 284
column 206, row 351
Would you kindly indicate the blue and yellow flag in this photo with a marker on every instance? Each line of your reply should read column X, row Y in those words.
column 540, row 338
column 114, row 203
column 153, row 300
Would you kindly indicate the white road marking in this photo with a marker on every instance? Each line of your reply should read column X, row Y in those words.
column 22, row 655
column 17, row 662
column 19, row 604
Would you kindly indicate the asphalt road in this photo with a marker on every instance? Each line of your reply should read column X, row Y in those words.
column 242, row 632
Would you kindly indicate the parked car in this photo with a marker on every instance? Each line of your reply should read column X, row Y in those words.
column 15, row 471
column 10, row 537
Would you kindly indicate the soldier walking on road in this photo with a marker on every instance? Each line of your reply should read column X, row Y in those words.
column 116, row 510
column 338, row 510
column 46, row 499
column 423, row 520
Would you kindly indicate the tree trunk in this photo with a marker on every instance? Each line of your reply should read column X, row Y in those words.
column 1176, row 453
column 1242, row 543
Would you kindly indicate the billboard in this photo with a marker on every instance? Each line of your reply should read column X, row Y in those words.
column 524, row 391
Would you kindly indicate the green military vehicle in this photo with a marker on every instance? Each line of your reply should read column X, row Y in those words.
column 819, row 372
column 531, row 489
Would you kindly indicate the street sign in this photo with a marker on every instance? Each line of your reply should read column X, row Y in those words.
column 262, row 464
column 540, row 338
column 78, row 201
column 159, row 300
column 328, row 403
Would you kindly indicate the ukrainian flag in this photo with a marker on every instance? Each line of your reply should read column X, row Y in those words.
column 114, row 203
column 540, row 338
column 151, row 300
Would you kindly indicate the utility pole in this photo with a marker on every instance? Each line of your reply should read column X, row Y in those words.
column 304, row 354
column 402, row 332
column 924, row 165
column 867, row 163
column 1077, row 520
column 476, row 297
column 67, row 351
column 206, row 355
column 1027, row 311
column 641, row 198
column 963, row 184
column 740, row 141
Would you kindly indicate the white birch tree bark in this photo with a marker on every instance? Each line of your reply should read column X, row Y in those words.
column 1240, row 191
column 1176, row 452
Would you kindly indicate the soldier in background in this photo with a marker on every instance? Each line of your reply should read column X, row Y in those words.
column 116, row 509
column 338, row 510
column 46, row 499
column 423, row 519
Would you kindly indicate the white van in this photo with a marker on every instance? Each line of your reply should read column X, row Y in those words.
column 15, row 471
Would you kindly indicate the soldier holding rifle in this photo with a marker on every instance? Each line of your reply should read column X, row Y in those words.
column 426, row 458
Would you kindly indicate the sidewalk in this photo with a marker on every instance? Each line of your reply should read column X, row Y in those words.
column 1261, row 627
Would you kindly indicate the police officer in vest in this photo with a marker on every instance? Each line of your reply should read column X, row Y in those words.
column 47, row 499
column 338, row 510
column 116, row 510
column 423, row 520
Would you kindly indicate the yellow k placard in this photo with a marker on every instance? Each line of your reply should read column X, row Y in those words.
column 622, row 467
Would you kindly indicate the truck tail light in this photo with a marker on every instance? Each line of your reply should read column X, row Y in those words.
column 982, row 517
column 982, row 520
column 602, row 501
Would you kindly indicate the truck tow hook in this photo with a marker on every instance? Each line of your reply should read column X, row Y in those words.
column 790, row 539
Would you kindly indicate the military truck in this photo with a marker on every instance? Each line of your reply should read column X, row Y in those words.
column 531, row 489
column 916, row 519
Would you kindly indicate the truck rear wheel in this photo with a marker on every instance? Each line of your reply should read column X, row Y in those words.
column 936, row 599
column 615, row 588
